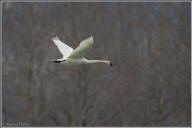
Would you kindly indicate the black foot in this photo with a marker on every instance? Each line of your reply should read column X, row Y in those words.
column 111, row 64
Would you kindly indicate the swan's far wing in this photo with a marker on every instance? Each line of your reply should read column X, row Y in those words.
column 82, row 49
column 63, row 48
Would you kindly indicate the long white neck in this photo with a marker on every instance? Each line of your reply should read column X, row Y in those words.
column 97, row 61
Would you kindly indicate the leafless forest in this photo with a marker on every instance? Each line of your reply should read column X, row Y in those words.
column 148, row 44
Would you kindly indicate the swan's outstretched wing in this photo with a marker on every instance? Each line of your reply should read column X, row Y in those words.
column 82, row 49
column 63, row 48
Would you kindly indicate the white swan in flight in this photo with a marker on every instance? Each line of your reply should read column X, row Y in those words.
column 72, row 57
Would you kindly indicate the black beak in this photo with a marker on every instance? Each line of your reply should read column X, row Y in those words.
column 111, row 64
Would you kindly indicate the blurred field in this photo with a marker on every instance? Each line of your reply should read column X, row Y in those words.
column 149, row 45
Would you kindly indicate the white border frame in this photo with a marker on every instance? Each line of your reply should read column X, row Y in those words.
column 1, row 79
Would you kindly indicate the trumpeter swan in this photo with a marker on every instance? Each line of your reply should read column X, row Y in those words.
column 72, row 56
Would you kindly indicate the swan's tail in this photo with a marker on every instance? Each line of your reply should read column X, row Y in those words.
column 57, row 61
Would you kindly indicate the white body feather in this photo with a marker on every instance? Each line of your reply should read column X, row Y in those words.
column 76, row 57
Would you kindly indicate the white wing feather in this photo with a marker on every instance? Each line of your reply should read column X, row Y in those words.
column 82, row 49
column 63, row 48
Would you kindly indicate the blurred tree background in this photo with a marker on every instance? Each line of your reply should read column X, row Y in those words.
column 148, row 44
